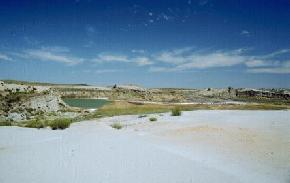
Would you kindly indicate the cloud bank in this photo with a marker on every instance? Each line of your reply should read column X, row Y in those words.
column 52, row 54
column 5, row 57
column 188, row 59
column 174, row 60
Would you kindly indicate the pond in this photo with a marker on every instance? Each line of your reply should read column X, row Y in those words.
column 85, row 103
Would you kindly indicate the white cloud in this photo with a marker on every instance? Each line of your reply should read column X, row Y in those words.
column 56, row 49
column 245, row 33
column 139, row 60
column 174, row 56
column 270, row 63
column 142, row 61
column 101, row 71
column 275, row 70
column 166, row 17
column 161, row 69
column 201, row 61
column 138, row 51
column 169, row 57
column 89, row 44
column 186, row 58
column 5, row 57
column 104, row 57
column 106, row 71
column 176, row 60
column 258, row 63
column 30, row 40
column 278, row 68
column 182, row 50
column 286, row 64
column 203, row 2
column 276, row 53
column 53, row 54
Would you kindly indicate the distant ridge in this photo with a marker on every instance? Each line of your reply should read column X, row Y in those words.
column 33, row 83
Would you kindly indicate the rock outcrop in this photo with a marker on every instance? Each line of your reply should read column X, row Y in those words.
column 45, row 103
column 263, row 93
column 20, row 102
column 13, row 88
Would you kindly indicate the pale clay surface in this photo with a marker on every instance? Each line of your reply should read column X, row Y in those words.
column 199, row 146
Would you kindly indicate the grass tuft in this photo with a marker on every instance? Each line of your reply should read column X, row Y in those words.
column 36, row 123
column 176, row 111
column 117, row 126
column 153, row 119
column 61, row 123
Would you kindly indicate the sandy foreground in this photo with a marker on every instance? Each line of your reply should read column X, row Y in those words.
column 199, row 146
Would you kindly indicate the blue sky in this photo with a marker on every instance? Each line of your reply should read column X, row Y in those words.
column 160, row 43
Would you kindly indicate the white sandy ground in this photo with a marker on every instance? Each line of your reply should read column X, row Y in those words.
column 200, row 146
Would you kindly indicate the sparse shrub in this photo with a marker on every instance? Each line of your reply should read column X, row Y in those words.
column 13, row 98
column 29, row 110
column 230, row 89
column 61, row 123
column 176, row 111
column 117, row 126
column 45, row 92
column 153, row 119
column 36, row 123
column 61, row 104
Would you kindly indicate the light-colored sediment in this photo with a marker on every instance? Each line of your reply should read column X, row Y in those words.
column 199, row 146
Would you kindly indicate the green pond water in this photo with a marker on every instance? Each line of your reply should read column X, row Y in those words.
column 85, row 103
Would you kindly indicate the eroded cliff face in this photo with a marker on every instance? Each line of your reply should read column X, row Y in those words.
column 46, row 103
column 23, row 105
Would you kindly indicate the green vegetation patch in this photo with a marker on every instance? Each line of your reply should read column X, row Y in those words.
column 5, row 123
column 60, row 123
column 124, row 108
